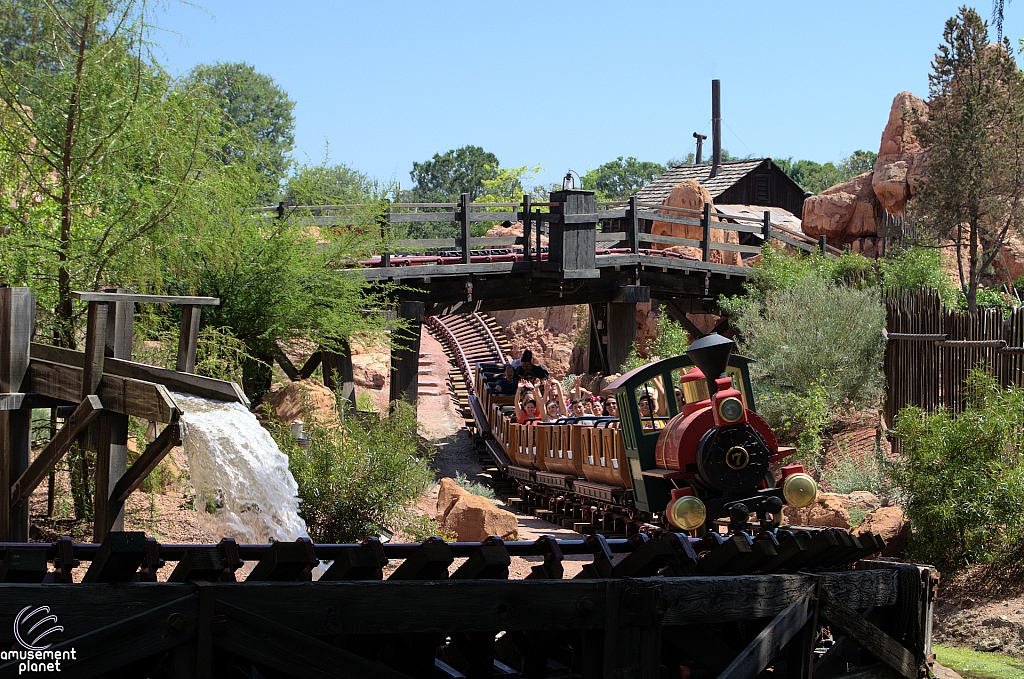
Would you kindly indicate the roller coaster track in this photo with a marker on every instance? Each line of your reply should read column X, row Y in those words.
column 469, row 339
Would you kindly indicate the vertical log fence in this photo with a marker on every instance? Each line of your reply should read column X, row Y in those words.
column 930, row 351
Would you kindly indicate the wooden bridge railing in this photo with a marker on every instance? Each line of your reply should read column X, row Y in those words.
column 625, row 226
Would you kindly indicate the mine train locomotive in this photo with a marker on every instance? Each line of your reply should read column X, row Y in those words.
column 708, row 463
column 718, row 450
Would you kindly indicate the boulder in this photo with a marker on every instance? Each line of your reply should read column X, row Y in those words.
column 829, row 510
column 473, row 518
column 861, row 500
column 306, row 400
column 891, row 525
column 516, row 230
column 843, row 213
column 1010, row 261
column 901, row 161
column 550, row 348
column 692, row 195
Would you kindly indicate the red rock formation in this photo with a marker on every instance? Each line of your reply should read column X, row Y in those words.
column 900, row 161
column 843, row 212
column 692, row 195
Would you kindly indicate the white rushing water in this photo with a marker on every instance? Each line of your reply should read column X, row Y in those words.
column 243, row 486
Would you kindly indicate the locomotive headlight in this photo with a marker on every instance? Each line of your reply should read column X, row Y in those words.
column 731, row 409
column 687, row 512
column 800, row 490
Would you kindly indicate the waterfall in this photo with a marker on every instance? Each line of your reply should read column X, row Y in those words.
column 243, row 486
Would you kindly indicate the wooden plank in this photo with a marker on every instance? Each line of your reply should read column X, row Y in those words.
column 612, row 213
column 123, row 395
column 690, row 242
column 796, row 243
column 398, row 272
column 151, row 299
column 280, row 647
column 731, row 598
column 128, row 639
column 95, row 348
column 419, row 217
column 205, row 387
column 658, row 206
column 11, row 401
column 75, row 425
column 656, row 216
column 471, row 605
column 760, row 652
column 867, row 636
column 145, row 464
column 188, row 338
column 656, row 261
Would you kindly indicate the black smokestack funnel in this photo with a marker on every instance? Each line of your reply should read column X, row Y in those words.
column 711, row 354
column 716, row 127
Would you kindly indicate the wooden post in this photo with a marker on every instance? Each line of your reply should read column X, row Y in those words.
column 17, row 323
column 705, row 241
column 766, row 227
column 621, row 333
column 95, row 347
column 343, row 363
column 634, row 227
column 464, row 221
column 405, row 354
column 119, row 338
column 526, row 227
column 385, row 236
column 188, row 338
column 537, row 214
column 822, row 243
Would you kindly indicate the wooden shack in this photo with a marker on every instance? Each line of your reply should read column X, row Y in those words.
column 758, row 181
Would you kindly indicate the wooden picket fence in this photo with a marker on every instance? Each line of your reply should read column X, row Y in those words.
column 930, row 351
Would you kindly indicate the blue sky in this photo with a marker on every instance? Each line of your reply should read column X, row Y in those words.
column 572, row 84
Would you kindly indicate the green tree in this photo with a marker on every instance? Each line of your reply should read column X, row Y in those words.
column 444, row 177
column 705, row 160
column 621, row 178
column 973, row 191
column 858, row 162
column 102, row 149
column 326, row 184
column 256, row 119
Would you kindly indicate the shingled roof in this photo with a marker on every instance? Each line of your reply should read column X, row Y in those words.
column 728, row 174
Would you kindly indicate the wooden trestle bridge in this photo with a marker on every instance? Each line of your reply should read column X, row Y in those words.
column 573, row 250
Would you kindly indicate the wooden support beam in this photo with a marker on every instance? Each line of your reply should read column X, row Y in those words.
column 464, row 223
column 285, row 562
column 365, row 562
column 286, row 365
column 24, row 566
column 763, row 649
column 621, row 333
column 405, row 354
column 119, row 340
column 310, row 365
column 119, row 558
column 147, row 462
column 95, row 348
column 17, row 323
column 868, row 637
column 75, row 425
column 188, row 338
column 198, row 564
column 122, row 395
column 277, row 646
column 705, row 241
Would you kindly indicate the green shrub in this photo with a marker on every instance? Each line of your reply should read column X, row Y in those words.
column 357, row 480
column 961, row 477
column 850, row 472
column 817, row 348
column 473, row 487
column 419, row 527
column 919, row 268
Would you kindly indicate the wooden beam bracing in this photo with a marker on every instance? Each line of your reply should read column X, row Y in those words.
column 85, row 413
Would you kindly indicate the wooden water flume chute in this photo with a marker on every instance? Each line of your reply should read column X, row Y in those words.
column 96, row 389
